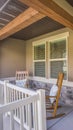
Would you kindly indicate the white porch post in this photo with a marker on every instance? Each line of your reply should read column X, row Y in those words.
column 41, row 110
column 5, row 91
column 1, row 121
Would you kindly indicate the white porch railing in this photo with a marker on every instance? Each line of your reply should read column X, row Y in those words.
column 25, row 106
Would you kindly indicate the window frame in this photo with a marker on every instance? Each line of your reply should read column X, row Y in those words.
column 42, row 60
column 58, row 59
column 46, row 41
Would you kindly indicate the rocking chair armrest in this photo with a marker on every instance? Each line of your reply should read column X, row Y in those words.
column 52, row 96
column 42, row 88
column 47, row 97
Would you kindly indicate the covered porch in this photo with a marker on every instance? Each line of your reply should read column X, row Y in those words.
column 35, row 36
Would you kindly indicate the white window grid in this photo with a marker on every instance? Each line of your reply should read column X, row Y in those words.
column 58, row 59
column 42, row 60
column 48, row 40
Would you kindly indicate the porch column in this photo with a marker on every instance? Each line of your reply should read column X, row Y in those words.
column 41, row 110
column 1, row 121
column 5, row 91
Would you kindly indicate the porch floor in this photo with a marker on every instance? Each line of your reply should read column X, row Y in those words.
column 62, row 123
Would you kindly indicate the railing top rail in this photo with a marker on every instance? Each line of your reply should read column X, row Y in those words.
column 19, row 103
column 1, row 82
column 23, row 90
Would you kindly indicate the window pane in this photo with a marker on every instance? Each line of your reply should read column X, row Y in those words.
column 39, row 69
column 58, row 49
column 58, row 66
column 39, row 52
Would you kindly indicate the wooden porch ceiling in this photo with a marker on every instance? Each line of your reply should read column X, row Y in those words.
column 70, row 2
column 43, row 26
column 16, row 15
column 23, row 20
column 51, row 9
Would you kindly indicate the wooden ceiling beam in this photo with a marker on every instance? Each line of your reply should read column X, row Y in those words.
column 23, row 20
column 52, row 10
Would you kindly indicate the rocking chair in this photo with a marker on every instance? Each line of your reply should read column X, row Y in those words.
column 20, row 75
column 53, row 98
column 22, row 78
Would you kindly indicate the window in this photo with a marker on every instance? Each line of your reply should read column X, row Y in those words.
column 50, row 56
column 39, row 60
column 58, row 58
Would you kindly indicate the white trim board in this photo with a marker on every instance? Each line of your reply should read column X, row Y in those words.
column 44, row 80
column 8, row 78
column 50, row 38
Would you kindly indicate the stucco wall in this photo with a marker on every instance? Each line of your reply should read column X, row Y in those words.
column 12, row 57
column 29, row 58
column 70, row 57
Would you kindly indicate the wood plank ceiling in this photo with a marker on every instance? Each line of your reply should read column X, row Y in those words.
column 43, row 26
column 70, row 2
column 52, row 10
column 10, row 10
column 25, row 19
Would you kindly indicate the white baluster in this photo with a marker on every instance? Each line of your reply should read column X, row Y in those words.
column 26, row 110
column 21, row 118
column 1, row 121
column 11, row 121
column 29, row 117
column 35, row 115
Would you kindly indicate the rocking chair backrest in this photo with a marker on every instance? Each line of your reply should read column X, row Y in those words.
column 20, row 75
column 59, row 84
column 22, row 78
column 60, row 79
column 57, row 96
